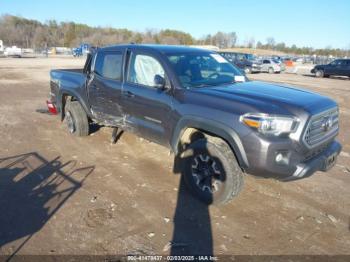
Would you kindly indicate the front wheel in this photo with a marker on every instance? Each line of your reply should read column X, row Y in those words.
column 211, row 171
column 76, row 119
column 247, row 70
column 319, row 73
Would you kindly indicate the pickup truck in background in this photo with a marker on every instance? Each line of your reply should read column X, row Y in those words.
column 339, row 67
column 246, row 62
column 218, row 124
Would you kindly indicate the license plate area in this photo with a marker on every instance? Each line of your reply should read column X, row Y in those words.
column 330, row 161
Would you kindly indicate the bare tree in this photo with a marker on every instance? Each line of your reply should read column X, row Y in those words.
column 270, row 41
column 251, row 42
column 24, row 32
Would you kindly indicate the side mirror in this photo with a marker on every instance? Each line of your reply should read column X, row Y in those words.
column 159, row 82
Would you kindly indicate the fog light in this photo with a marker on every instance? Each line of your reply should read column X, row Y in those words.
column 282, row 158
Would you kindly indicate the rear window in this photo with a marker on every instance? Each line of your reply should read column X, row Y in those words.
column 109, row 65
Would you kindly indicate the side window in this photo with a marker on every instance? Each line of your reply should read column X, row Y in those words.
column 343, row 63
column 335, row 63
column 143, row 69
column 266, row 62
column 109, row 65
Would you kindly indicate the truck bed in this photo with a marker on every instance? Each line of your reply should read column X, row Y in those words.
column 71, row 79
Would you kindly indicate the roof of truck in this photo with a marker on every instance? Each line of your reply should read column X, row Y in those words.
column 160, row 48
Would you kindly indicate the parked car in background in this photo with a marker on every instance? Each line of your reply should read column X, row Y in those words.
column 339, row 67
column 245, row 62
column 270, row 66
column 279, row 61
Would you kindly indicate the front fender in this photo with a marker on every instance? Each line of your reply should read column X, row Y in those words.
column 213, row 127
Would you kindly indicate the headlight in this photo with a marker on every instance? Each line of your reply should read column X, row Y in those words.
column 270, row 124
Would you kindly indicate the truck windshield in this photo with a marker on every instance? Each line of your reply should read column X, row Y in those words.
column 202, row 69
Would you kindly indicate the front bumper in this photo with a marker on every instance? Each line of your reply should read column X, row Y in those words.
column 323, row 162
column 300, row 162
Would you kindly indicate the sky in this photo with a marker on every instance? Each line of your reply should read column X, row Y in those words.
column 312, row 23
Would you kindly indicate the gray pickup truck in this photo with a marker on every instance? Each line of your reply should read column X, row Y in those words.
column 218, row 124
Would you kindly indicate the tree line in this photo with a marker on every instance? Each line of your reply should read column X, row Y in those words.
column 27, row 33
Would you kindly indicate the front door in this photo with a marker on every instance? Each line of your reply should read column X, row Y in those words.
column 147, row 108
column 332, row 68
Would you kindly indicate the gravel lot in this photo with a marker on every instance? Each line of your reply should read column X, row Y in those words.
column 65, row 195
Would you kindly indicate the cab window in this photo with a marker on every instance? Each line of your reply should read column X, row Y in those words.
column 143, row 69
column 109, row 65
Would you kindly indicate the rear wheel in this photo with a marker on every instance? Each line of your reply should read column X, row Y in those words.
column 271, row 70
column 76, row 119
column 247, row 70
column 211, row 171
column 319, row 73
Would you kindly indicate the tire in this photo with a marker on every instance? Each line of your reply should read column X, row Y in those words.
column 319, row 73
column 76, row 119
column 247, row 70
column 221, row 179
column 271, row 70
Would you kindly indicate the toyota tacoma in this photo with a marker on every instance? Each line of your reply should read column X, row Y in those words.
column 219, row 124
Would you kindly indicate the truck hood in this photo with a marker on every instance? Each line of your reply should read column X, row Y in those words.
column 272, row 94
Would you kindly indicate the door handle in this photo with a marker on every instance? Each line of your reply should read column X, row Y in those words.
column 128, row 94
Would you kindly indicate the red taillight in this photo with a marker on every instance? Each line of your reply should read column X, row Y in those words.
column 51, row 107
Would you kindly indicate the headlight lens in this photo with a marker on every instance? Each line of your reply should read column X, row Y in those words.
column 270, row 124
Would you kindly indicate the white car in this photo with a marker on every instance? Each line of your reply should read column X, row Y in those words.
column 270, row 66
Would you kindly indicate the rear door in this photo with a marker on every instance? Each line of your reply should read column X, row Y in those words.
column 147, row 108
column 105, row 85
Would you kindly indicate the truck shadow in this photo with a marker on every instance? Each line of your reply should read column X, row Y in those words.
column 32, row 190
column 192, row 233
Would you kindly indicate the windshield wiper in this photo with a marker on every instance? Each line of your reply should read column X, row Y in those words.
column 203, row 85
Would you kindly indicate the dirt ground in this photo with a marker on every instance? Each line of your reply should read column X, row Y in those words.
column 61, row 194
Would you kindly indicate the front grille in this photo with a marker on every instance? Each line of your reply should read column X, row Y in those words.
column 322, row 127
